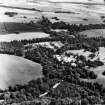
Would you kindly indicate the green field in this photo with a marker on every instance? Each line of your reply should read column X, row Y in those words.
column 16, row 70
column 94, row 33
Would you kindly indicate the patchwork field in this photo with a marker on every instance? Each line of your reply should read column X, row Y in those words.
column 68, row 12
column 69, row 64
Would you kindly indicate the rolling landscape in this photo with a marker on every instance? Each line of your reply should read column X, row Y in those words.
column 52, row 52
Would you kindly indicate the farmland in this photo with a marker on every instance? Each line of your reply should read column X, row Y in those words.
column 13, row 27
column 74, row 13
column 48, row 55
column 16, row 70
column 22, row 36
column 94, row 33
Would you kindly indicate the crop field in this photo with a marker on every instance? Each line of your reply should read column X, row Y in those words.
column 73, row 13
column 16, row 70
column 13, row 27
column 22, row 36
column 94, row 33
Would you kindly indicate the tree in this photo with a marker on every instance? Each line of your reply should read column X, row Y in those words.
column 84, row 102
column 103, row 73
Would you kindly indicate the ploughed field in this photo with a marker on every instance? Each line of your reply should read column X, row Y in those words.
column 16, row 70
column 13, row 27
column 18, row 31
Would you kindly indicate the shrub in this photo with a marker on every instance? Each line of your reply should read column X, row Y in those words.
column 103, row 73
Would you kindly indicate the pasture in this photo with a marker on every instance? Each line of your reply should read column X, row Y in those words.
column 16, row 70
column 22, row 36
column 94, row 33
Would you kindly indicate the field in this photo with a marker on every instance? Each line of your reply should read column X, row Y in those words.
column 42, row 52
column 94, row 33
column 22, row 36
column 13, row 27
column 74, row 13
column 16, row 70
column 29, row 15
column 99, row 71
